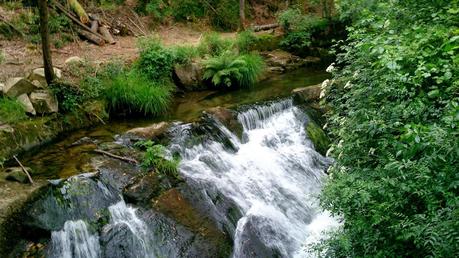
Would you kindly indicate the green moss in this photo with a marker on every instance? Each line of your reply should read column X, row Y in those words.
column 30, row 133
column 318, row 137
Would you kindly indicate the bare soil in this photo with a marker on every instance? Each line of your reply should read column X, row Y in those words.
column 22, row 57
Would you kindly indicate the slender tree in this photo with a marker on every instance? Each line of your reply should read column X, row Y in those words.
column 44, row 32
column 242, row 14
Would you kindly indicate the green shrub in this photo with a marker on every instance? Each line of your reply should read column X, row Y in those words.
column 155, row 61
column 225, row 15
column 136, row 93
column 187, row 10
column 213, row 44
column 299, row 29
column 230, row 70
column 395, row 117
column 11, row 111
column 154, row 157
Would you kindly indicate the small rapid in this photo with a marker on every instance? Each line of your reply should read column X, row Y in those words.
column 272, row 177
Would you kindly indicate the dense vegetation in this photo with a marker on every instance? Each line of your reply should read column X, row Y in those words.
column 395, row 118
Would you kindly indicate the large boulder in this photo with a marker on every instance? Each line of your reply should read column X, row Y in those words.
column 228, row 118
column 25, row 101
column 307, row 94
column 1, row 88
column 44, row 102
column 189, row 76
column 150, row 132
column 17, row 86
column 39, row 75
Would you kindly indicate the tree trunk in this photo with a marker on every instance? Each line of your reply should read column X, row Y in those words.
column 242, row 14
column 47, row 59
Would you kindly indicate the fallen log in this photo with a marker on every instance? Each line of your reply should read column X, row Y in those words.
column 103, row 30
column 79, row 10
column 24, row 169
column 130, row 160
column 92, row 38
column 265, row 27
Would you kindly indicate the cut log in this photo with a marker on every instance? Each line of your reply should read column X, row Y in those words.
column 85, row 31
column 103, row 30
column 79, row 10
column 94, row 26
column 92, row 38
column 265, row 27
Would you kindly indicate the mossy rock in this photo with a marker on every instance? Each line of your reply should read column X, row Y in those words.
column 318, row 137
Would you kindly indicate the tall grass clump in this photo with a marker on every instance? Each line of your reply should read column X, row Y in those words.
column 212, row 44
column 11, row 111
column 246, row 41
column 136, row 93
column 184, row 54
column 233, row 71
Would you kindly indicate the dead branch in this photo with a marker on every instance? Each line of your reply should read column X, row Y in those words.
column 24, row 169
column 130, row 160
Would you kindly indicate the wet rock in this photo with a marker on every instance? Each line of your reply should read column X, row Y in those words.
column 318, row 137
column 189, row 76
column 228, row 118
column 80, row 197
column 307, row 94
column 258, row 239
column 44, row 102
column 25, row 101
column 283, row 59
column 74, row 60
column 150, row 132
column 39, row 75
column 17, row 175
column 142, row 188
column 17, row 86
column 118, row 241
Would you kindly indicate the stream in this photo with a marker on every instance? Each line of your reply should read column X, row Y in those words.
column 251, row 193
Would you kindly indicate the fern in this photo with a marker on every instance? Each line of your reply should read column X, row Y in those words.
column 231, row 70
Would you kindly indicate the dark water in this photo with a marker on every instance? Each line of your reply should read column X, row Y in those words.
column 64, row 158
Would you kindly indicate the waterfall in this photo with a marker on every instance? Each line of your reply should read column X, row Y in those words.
column 74, row 240
column 273, row 178
column 122, row 214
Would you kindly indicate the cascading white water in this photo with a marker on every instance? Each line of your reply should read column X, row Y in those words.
column 74, row 240
column 121, row 213
column 274, row 178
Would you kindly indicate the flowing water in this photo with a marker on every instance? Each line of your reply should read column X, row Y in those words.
column 273, row 177
column 260, row 187
column 74, row 240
